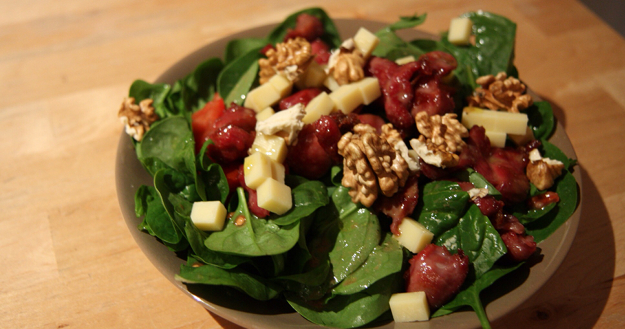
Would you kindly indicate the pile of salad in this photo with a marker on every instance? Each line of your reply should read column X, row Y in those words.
column 335, row 261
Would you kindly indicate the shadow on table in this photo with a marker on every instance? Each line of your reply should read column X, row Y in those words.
column 578, row 291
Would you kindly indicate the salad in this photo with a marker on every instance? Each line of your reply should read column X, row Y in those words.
column 406, row 196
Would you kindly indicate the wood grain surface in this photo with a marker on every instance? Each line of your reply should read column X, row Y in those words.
column 68, row 259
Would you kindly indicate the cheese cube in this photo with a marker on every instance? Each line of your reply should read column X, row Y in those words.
column 261, row 97
column 278, row 171
column 413, row 235
column 365, row 42
column 507, row 122
column 497, row 138
column 331, row 83
column 281, row 84
column 322, row 104
column 370, row 89
column 313, row 77
column 409, row 306
column 347, row 98
column 264, row 114
column 271, row 145
column 208, row 215
column 256, row 169
column 524, row 138
column 460, row 31
column 405, row 60
column 274, row 196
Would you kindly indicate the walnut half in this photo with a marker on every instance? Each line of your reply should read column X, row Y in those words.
column 370, row 164
column 542, row 172
column 500, row 93
column 291, row 58
column 346, row 64
column 137, row 118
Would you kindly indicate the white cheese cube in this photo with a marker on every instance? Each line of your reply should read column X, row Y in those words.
column 322, row 104
column 497, row 138
column 208, row 215
column 405, row 60
column 278, row 171
column 265, row 114
column 413, row 235
column 369, row 88
column 460, row 31
column 271, row 145
column 256, row 169
column 501, row 121
column 331, row 83
column 347, row 98
column 274, row 196
column 365, row 41
column 261, row 97
column 281, row 84
column 409, row 306
column 524, row 138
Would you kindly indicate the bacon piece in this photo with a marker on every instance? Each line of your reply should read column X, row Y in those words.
column 373, row 120
column 301, row 97
column 542, row 200
column 307, row 26
column 504, row 168
column 401, row 204
column 438, row 273
column 321, row 51
column 308, row 158
column 520, row 247
column 432, row 97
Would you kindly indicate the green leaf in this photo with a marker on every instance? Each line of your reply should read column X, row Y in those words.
column 383, row 261
column 541, row 119
column 171, row 142
column 349, row 311
column 307, row 198
column 477, row 238
column 344, row 233
column 444, row 203
column 201, row 84
column 211, row 181
column 237, row 78
column 469, row 295
column 239, row 47
column 253, row 285
column 256, row 237
column 407, row 22
column 391, row 46
column 141, row 90
column 470, row 175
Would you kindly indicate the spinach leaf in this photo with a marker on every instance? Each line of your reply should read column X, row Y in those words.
column 237, row 78
column 470, row 175
column 157, row 221
column 330, row 35
column 239, row 47
column 307, row 197
column 469, row 295
column 349, row 311
column 383, row 261
column 477, row 238
column 344, row 233
column 201, row 84
column 211, row 181
column 141, row 90
column 541, row 119
column 255, row 286
column 170, row 141
column 256, row 237
column 444, row 203
column 391, row 46
column 567, row 189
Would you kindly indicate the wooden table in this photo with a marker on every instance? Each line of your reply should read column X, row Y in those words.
column 68, row 258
